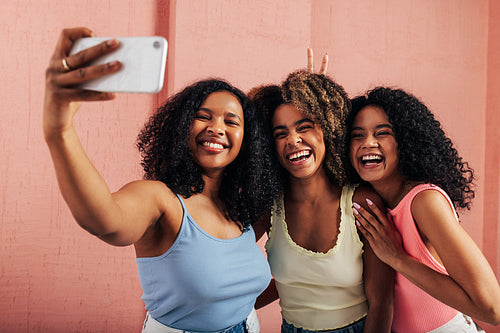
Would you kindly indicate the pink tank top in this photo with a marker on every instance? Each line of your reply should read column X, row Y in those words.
column 414, row 310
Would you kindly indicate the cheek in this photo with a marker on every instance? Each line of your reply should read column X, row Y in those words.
column 238, row 137
column 352, row 152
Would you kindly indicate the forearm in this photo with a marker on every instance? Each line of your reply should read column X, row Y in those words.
column 81, row 186
column 379, row 318
column 445, row 289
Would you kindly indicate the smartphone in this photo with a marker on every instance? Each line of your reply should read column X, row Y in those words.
column 143, row 62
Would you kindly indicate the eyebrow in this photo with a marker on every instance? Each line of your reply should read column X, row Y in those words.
column 297, row 123
column 359, row 128
column 229, row 114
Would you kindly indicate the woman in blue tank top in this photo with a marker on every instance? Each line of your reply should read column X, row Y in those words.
column 208, row 176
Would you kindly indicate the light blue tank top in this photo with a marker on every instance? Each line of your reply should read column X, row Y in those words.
column 203, row 283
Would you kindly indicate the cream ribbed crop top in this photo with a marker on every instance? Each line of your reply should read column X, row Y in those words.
column 318, row 291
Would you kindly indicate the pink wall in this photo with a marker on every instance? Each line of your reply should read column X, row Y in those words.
column 51, row 272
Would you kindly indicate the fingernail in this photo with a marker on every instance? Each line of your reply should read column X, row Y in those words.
column 355, row 211
column 111, row 42
column 114, row 64
column 369, row 202
column 356, row 205
column 357, row 223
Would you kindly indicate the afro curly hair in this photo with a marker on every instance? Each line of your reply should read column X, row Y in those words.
column 250, row 183
column 318, row 97
column 426, row 154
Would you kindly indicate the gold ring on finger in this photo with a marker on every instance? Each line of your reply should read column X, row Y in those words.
column 65, row 65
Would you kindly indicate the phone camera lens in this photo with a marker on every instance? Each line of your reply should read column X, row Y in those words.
column 156, row 44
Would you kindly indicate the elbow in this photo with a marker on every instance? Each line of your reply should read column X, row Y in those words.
column 491, row 313
column 494, row 316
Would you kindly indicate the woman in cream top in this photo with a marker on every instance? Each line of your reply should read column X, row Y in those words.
column 319, row 290
column 313, row 240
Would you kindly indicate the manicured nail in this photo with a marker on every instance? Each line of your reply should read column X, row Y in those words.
column 114, row 64
column 356, row 205
column 369, row 202
column 355, row 211
column 357, row 223
column 111, row 42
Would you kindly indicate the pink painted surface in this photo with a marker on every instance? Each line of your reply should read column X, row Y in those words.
column 54, row 277
column 491, row 230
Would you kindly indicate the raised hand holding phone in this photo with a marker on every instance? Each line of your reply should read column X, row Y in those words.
column 142, row 61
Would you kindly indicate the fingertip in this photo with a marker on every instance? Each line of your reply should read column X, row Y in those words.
column 114, row 65
column 369, row 202
column 112, row 43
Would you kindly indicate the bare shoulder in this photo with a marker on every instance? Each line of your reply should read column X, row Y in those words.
column 431, row 203
column 364, row 192
column 154, row 196
column 433, row 213
column 429, row 199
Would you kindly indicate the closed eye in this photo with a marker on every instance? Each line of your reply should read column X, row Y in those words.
column 232, row 122
column 202, row 116
column 304, row 128
column 279, row 135
column 383, row 133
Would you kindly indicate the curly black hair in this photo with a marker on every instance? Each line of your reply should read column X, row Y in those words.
column 426, row 154
column 249, row 184
column 317, row 96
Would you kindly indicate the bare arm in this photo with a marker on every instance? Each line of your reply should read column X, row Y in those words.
column 268, row 296
column 378, row 279
column 120, row 218
column 471, row 286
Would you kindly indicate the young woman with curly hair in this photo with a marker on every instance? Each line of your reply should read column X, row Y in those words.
column 326, row 279
column 208, row 176
column 398, row 146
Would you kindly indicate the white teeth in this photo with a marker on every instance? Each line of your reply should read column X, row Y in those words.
column 371, row 157
column 212, row 145
column 299, row 154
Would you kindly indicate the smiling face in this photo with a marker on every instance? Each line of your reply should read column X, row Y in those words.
column 373, row 148
column 298, row 140
column 216, row 133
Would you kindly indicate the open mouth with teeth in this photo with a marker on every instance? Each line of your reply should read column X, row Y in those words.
column 212, row 146
column 371, row 159
column 299, row 156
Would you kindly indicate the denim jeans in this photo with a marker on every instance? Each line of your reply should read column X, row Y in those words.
column 357, row 327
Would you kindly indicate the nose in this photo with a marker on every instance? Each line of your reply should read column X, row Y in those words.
column 370, row 142
column 216, row 126
column 294, row 139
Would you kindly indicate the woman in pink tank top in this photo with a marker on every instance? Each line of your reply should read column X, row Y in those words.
column 398, row 146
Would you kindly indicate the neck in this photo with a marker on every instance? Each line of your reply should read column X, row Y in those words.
column 212, row 185
column 392, row 192
column 311, row 189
